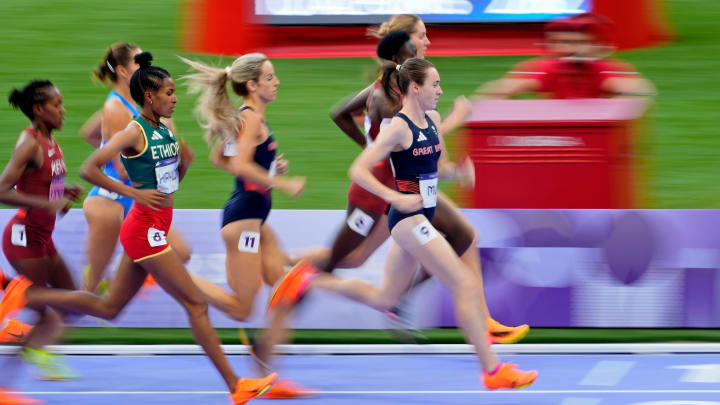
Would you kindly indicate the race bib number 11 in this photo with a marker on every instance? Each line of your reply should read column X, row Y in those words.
column 249, row 242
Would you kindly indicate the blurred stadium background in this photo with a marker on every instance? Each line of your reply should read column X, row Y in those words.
column 63, row 40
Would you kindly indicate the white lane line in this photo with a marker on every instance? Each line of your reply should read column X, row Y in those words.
column 700, row 373
column 607, row 373
column 549, row 348
column 390, row 392
column 580, row 401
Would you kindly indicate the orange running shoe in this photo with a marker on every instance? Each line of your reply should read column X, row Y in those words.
column 500, row 333
column 293, row 286
column 508, row 376
column 149, row 281
column 15, row 332
column 14, row 298
column 248, row 389
column 149, row 285
column 286, row 389
column 7, row 398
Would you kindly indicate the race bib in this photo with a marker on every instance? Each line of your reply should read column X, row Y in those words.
column 167, row 175
column 156, row 237
column 18, row 237
column 424, row 232
column 57, row 188
column 272, row 171
column 428, row 189
column 360, row 222
column 108, row 194
column 249, row 242
column 230, row 148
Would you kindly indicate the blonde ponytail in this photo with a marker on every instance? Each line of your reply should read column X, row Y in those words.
column 216, row 112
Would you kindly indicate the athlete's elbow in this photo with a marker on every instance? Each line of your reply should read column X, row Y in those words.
column 355, row 172
column 86, row 172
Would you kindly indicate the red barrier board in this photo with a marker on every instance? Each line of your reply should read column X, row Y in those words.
column 576, row 153
column 226, row 27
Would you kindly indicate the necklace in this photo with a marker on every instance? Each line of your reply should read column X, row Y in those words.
column 152, row 121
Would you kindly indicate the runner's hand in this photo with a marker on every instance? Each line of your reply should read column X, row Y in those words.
column 292, row 186
column 149, row 197
column 462, row 106
column 466, row 173
column 281, row 165
column 61, row 206
column 73, row 192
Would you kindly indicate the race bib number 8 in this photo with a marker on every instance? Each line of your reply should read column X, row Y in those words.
column 249, row 242
column 428, row 189
column 424, row 232
column 18, row 236
column 167, row 175
column 156, row 237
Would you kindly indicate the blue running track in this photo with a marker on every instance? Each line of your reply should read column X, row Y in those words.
column 565, row 379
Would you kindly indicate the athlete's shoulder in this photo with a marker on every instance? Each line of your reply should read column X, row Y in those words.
column 251, row 120
column 115, row 107
column 398, row 126
column 249, row 113
column 136, row 124
column 27, row 146
column 435, row 118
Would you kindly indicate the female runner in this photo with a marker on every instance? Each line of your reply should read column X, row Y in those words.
column 105, row 210
column 364, row 231
column 244, row 146
column 34, row 181
column 155, row 163
column 414, row 146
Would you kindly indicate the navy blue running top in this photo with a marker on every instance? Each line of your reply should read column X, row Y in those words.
column 264, row 156
column 416, row 166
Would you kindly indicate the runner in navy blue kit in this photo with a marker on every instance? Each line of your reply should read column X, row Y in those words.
column 414, row 145
column 363, row 231
column 244, row 146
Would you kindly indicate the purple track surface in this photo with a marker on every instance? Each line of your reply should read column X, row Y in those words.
column 386, row 379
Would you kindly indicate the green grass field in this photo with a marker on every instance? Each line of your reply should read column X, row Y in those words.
column 63, row 40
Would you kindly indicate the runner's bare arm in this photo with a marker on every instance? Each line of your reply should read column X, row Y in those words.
column 342, row 116
column 24, row 155
column 130, row 141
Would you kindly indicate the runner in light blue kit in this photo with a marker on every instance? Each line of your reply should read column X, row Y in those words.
column 110, row 168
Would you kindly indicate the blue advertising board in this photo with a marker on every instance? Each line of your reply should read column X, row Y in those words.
column 330, row 12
